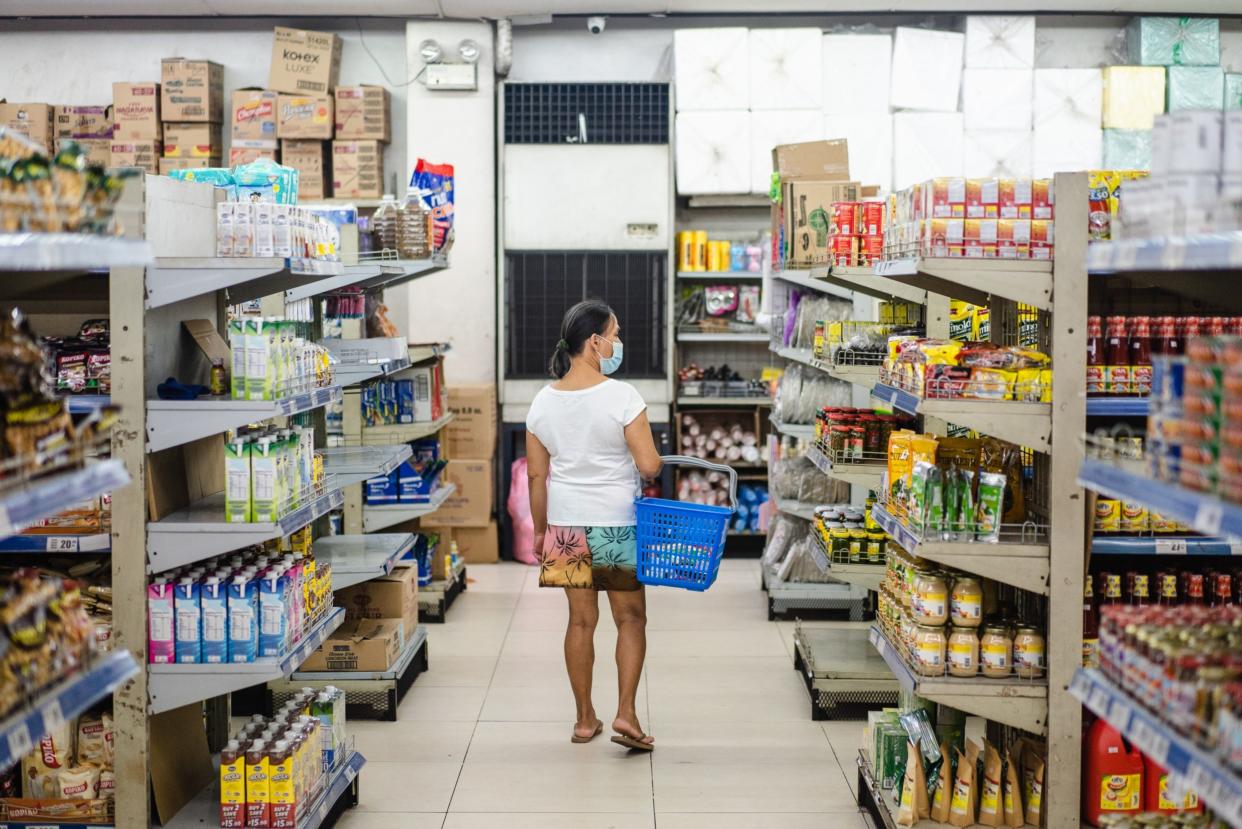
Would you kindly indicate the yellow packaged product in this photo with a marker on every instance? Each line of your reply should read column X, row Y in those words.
column 991, row 384
column 981, row 324
column 940, row 352
column 1028, row 385
column 894, row 347
column 961, row 320
column 899, row 464
column 1045, row 385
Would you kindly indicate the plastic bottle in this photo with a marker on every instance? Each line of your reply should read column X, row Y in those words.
column 384, row 224
column 1112, row 776
column 1156, row 792
column 1140, row 355
column 412, row 239
column 1117, row 357
column 1096, row 381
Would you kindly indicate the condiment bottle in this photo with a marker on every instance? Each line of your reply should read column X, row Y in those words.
column 1169, row 592
column 1096, row 380
column 1117, row 357
column 1140, row 355
column 1140, row 589
column 1090, row 624
column 1194, row 589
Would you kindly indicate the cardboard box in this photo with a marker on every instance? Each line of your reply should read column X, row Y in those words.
column 471, row 504
column 31, row 120
column 363, row 112
column 253, row 115
column 192, row 140
column 310, row 159
column 357, row 170
column 394, row 596
column 806, row 239
column 304, row 62
column 244, row 152
column 167, row 165
column 136, row 112
column 360, row 645
column 477, row 545
column 303, row 116
column 82, row 121
column 142, row 154
column 812, row 161
column 191, row 90
column 98, row 150
column 472, row 431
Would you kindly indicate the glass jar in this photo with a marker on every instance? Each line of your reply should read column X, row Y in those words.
column 1028, row 652
column 995, row 652
column 875, row 547
column 928, row 652
column 966, row 602
column 839, row 545
column 930, row 603
column 838, row 443
column 858, row 544
column 963, row 652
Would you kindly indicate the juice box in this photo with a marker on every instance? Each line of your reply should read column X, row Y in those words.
column 258, row 787
column 189, row 643
column 947, row 198
column 1014, row 195
column 283, row 786
column 237, row 352
column 256, row 358
column 273, row 614
column 161, row 644
column 243, row 608
column 1043, row 199
column 237, row 505
column 263, row 481
column 232, row 787
column 982, row 198
column 213, row 599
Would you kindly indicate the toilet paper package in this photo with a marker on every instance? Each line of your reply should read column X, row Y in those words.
column 1066, row 117
column 786, row 69
column 1061, row 149
column 926, row 145
column 927, row 69
column 1196, row 87
column 771, row 129
column 1127, row 149
column 711, row 69
column 997, row 99
column 1133, row 96
column 1173, row 41
column 713, row 152
column 870, row 138
column 1233, row 90
column 857, row 73
column 1000, row 42
column 997, row 154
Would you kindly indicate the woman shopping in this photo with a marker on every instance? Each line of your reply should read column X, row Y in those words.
column 587, row 444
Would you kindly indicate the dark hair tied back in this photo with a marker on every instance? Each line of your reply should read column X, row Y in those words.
column 581, row 322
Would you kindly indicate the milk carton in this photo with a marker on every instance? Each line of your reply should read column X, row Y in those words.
column 273, row 613
column 243, row 607
column 161, row 625
column 188, row 647
column 213, row 601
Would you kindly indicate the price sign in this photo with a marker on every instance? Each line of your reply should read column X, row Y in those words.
column 1208, row 517
column 19, row 741
column 1097, row 700
column 61, row 544
column 1150, row 741
column 6, row 526
column 1171, row 546
column 53, row 716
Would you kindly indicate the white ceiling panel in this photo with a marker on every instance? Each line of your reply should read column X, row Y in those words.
column 966, row 6
column 211, row 8
column 514, row 8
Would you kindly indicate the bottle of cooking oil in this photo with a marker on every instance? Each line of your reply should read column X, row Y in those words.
column 412, row 239
column 384, row 223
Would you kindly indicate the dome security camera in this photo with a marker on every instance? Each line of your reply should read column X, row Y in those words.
column 595, row 25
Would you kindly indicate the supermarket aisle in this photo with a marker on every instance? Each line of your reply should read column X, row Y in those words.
column 483, row 738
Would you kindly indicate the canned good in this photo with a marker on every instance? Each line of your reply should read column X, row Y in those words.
column 1107, row 515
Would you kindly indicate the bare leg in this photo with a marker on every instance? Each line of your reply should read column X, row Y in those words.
column 629, row 610
column 580, row 655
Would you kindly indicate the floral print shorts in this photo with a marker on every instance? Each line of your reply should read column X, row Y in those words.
column 594, row 558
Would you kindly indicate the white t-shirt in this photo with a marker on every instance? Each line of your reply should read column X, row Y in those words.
column 593, row 480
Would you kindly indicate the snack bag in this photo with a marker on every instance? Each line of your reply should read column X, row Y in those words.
column 1033, row 781
column 944, row 786
column 42, row 766
column 434, row 183
column 78, row 783
column 991, row 802
column 913, row 805
column 1011, row 792
column 965, row 791
column 899, row 465
column 94, row 739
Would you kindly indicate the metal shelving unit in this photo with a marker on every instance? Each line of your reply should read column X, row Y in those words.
column 722, row 337
column 1026, row 424
column 177, row 422
column 26, row 503
column 355, row 464
column 864, row 475
column 378, row 516
column 848, row 678
column 435, row 599
column 726, row 276
column 799, row 431
column 358, row 558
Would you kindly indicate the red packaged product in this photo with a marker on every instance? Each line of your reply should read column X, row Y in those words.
column 1043, row 200
column 843, row 250
column 982, row 198
column 948, row 198
column 1015, row 198
column 844, row 220
column 871, row 218
column 942, row 381
column 870, row 249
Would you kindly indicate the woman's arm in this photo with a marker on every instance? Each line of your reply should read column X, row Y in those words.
column 642, row 446
column 537, row 460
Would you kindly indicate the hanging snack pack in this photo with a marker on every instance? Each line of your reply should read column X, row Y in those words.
column 944, row 785
column 991, row 801
column 965, row 788
column 434, row 183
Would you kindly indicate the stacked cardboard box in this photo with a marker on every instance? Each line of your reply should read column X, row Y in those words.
column 137, row 131
column 35, row 121
column 814, row 175
column 470, row 440
column 192, row 109
column 90, row 127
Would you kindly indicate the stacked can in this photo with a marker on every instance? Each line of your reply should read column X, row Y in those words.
column 856, row 233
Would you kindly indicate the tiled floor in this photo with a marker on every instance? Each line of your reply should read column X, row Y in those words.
column 483, row 737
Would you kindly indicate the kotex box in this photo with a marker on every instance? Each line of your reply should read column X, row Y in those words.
column 1127, row 149
column 1195, row 87
column 1173, row 41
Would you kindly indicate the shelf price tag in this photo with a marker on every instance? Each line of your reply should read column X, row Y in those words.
column 19, row 741
column 1171, row 546
column 6, row 526
column 61, row 544
column 1150, row 741
column 1119, row 714
column 1208, row 517
column 1097, row 700
column 53, row 716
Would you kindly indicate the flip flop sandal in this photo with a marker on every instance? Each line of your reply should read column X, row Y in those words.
column 630, row 742
column 599, row 728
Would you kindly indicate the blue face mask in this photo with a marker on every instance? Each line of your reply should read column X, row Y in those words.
column 608, row 365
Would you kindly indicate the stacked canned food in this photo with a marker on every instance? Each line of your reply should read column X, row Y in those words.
column 937, row 617
column 849, row 435
column 1116, row 517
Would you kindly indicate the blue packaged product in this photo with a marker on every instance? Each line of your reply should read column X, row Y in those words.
column 405, row 401
column 266, row 181
column 425, row 451
column 416, row 482
column 213, row 599
column 273, row 614
column 434, row 184
column 188, row 645
column 382, row 489
column 221, row 177
column 243, row 619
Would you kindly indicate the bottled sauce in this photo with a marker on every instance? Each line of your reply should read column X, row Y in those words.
column 1090, row 625
column 219, row 378
column 1194, row 589
column 963, row 652
column 1111, row 588
column 1168, row 339
column 413, row 223
column 930, row 605
column 1169, row 592
column 1117, row 357
column 995, row 652
column 1028, row 653
column 929, row 648
column 384, row 224
column 1112, row 774
column 966, row 602
column 1140, row 355
column 1222, row 589
column 1140, row 589
column 1096, row 383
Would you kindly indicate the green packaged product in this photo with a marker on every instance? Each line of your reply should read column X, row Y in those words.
column 237, row 507
column 237, row 352
column 892, row 755
column 920, row 490
column 1233, row 90
column 935, row 501
column 1195, row 87
column 964, row 522
column 991, row 506
column 1174, row 41
column 1127, row 149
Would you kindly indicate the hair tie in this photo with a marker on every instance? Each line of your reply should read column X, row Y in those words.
column 562, row 345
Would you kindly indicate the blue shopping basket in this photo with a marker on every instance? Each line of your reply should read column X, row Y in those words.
column 680, row 545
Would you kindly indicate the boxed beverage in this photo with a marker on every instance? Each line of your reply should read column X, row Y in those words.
column 192, row 140
column 244, row 152
column 309, row 158
column 359, row 645
column 136, row 111
column 82, row 122
column 304, row 61
column 137, row 153
column 472, row 431
column 303, row 116
column 98, row 150
column 394, row 596
column 167, row 165
column 478, row 545
column 471, row 504
column 363, row 112
column 191, row 90
column 31, row 120
column 253, row 115
column 357, row 170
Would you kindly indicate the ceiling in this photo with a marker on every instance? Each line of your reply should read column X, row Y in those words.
column 513, row 8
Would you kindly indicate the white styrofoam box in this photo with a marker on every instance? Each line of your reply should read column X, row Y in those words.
column 1192, row 189
column 1161, row 145
column 1196, row 134
column 1231, row 154
column 997, row 154
column 711, row 69
column 622, row 187
column 768, row 129
column 926, row 145
column 713, row 152
column 786, row 69
column 1066, row 148
column 1000, row 42
column 1073, row 95
column 997, row 99
column 927, row 70
column 871, row 145
column 857, row 73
